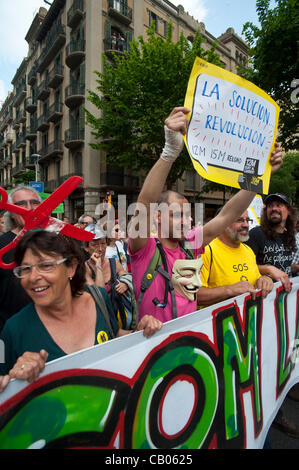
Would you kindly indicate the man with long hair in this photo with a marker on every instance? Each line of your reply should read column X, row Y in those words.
column 273, row 242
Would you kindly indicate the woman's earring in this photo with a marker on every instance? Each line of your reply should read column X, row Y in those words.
column 71, row 278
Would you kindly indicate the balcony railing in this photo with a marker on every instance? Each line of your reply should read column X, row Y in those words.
column 52, row 150
column 55, row 112
column 43, row 90
column 31, row 105
column 119, row 10
column 18, row 169
column 8, row 137
column 31, row 131
column 21, row 140
column 74, row 94
column 8, row 159
column 75, row 53
column 55, row 76
column 20, row 93
column 32, row 75
column 42, row 122
column 74, row 137
column 75, row 13
column 116, row 46
column 54, row 41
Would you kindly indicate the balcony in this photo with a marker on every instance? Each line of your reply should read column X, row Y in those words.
column 120, row 11
column 55, row 40
column 55, row 76
column 74, row 95
column 75, row 53
column 8, row 137
column 74, row 137
column 50, row 186
column 20, row 94
column 31, row 105
column 22, row 116
column 16, row 122
column 31, row 131
column 32, row 76
column 8, row 159
column 21, row 140
column 14, row 148
column 55, row 112
column 30, row 163
column 42, row 123
column 75, row 13
column 8, row 118
column 53, row 150
column 43, row 91
column 18, row 169
column 115, row 47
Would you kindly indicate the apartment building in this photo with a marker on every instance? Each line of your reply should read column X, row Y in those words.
column 42, row 123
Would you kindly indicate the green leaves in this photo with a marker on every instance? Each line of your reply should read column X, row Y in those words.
column 137, row 92
column 275, row 60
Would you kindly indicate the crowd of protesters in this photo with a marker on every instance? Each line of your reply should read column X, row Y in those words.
column 64, row 296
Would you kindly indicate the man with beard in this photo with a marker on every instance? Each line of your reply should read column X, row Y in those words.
column 273, row 242
column 230, row 268
column 167, row 290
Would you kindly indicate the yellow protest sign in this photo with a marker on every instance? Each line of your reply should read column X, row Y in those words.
column 232, row 128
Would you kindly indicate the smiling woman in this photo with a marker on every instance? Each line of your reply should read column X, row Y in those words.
column 63, row 317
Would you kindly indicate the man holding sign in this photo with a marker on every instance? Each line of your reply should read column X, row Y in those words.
column 154, row 285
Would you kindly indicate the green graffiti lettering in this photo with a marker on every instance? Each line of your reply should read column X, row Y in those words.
column 241, row 364
column 286, row 361
column 184, row 359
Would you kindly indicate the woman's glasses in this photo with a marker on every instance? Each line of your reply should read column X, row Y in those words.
column 41, row 267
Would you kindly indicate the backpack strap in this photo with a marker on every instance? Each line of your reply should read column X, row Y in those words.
column 149, row 275
column 100, row 301
column 210, row 262
column 186, row 247
column 112, row 263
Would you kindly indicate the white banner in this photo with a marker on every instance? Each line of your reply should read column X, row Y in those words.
column 212, row 379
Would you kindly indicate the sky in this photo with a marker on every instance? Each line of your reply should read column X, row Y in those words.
column 16, row 17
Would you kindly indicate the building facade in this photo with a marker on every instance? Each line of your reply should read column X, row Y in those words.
column 42, row 122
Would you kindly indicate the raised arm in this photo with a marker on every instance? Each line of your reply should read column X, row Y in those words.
column 175, row 125
column 237, row 204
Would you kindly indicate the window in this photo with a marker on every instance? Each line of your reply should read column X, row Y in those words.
column 165, row 28
column 190, row 180
column 153, row 17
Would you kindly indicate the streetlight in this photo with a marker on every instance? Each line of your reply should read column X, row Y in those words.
column 36, row 157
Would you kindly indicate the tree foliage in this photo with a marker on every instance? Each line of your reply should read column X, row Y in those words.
column 275, row 61
column 24, row 178
column 286, row 179
column 137, row 92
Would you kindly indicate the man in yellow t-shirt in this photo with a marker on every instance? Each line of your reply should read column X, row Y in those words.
column 229, row 267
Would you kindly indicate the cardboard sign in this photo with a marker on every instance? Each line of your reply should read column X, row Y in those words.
column 232, row 128
column 215, row 378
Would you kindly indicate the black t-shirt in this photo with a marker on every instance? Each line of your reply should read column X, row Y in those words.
column 12, row 295
column 270, row 251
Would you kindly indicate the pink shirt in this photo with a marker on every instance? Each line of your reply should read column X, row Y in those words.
column 139, row 263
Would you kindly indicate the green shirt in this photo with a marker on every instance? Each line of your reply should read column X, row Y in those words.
column 26, row 332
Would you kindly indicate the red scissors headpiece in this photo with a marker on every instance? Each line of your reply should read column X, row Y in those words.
column 40, row 217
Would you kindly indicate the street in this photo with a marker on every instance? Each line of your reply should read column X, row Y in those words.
column 280, row 440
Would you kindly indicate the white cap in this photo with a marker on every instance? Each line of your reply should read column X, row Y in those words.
column 94, row 228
